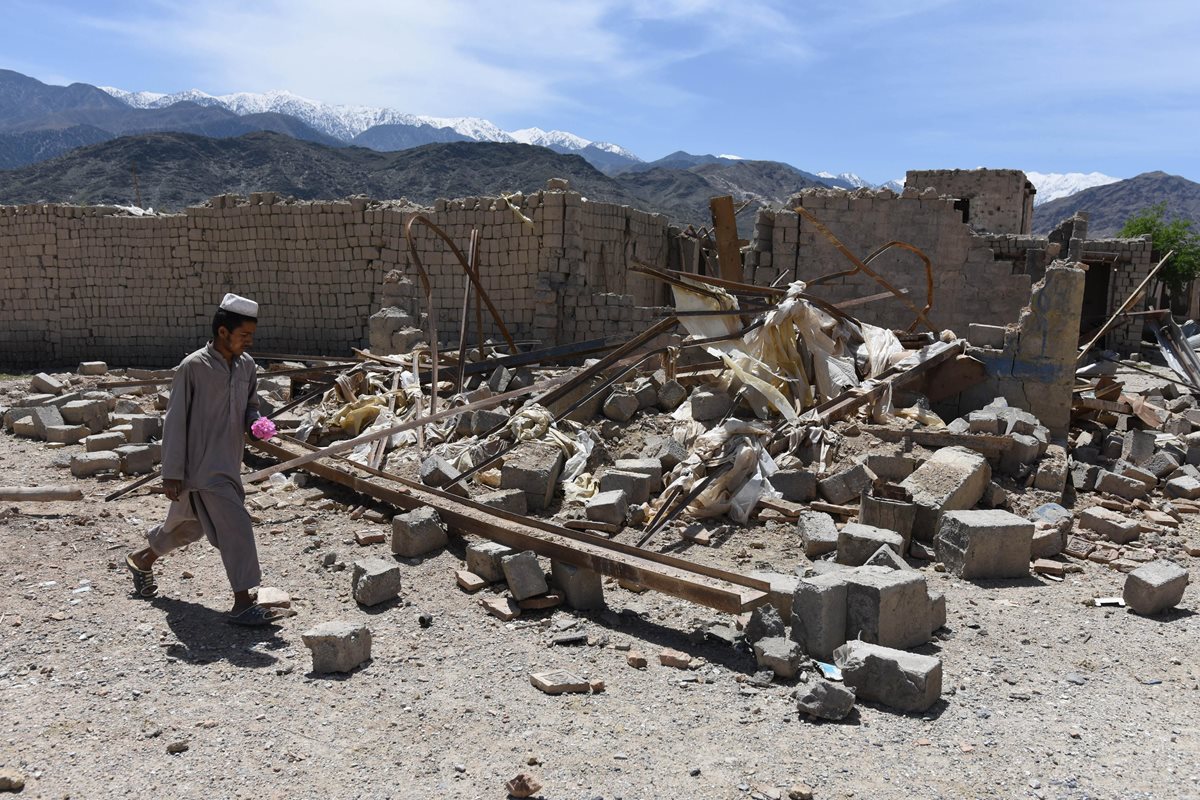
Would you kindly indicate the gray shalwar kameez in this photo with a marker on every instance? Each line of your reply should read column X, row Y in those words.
column 212, row 406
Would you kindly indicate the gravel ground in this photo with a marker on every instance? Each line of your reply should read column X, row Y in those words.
column 1044, row 695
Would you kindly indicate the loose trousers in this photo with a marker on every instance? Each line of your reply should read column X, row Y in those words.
column 218, row 514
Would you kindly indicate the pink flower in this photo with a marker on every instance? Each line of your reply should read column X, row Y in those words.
column 263, row 428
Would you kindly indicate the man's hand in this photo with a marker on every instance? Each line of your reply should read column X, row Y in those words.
column 172, row 488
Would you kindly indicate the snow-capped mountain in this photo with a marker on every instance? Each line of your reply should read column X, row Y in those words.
column 564, row 141
column 1053, row 185
column 846, row 180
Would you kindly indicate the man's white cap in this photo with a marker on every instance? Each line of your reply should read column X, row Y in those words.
column 239, row 305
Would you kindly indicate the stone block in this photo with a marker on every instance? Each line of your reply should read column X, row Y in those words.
column 825, row 700
column 635, row 485
column 952, row 479
column 818, row 532
column 92, row 413
column 1110, row 524
column 782, row 589
column 468, row 581
column 67, row 434
column 533, row 467
column 1048, row 541
column 765, row 621
column 1161, row 464
column 796, row 485
column 338, row 646
column 1025, row 449
column 524, row 575
column 856, row 543
column 1119, row 485
column 98, row 442
column 145, row 428
column 510, row 500
column 1052, row 471
column 138, row 459
column 85, row 465
column 780, row 655
column 620, row 406
column 895, row 678
column 887, row 558
column 436, row 471
column 560, row 681
column 985, row 544
column 93, row 368
column 846, row 486
column 1137, row 447
column 375, row 581
column 709, row 404
column 1155, row 587
column 1084, row 476
column 580, row 586
column 671, row 395
column 651, row 467
column 418, row 532
column 819, row 613
column 487, row 419
column 484, row 559
column 46, row 384
column 611, row 507
column 887, row 607
column 1187, row 488
column 45, row 417
column 937, row 611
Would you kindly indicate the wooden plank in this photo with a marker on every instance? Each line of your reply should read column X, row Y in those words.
column 1095, row 404
column 708, row 586
column 729, row 255
column 40, row 494
column 592, row 525
column 986, row 444
column 830, row 508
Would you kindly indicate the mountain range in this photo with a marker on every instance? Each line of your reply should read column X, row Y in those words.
column 83, row 143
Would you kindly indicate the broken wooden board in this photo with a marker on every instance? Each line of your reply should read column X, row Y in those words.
column 708, row 586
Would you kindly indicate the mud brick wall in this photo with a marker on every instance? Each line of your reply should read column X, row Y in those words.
column 999, row 200
column 970, row 285
column 83, row 283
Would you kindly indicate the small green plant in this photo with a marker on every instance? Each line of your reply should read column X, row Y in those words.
column 1176, row 234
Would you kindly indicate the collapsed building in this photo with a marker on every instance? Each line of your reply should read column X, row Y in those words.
column 848, row 315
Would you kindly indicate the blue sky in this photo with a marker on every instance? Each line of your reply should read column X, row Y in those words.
column 874, row 87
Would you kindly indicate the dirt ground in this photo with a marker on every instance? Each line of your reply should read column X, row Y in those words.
column 1044, row 696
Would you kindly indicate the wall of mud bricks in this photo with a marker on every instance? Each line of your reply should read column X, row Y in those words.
column 999, row 200
column 84, row 283
column 970, row 285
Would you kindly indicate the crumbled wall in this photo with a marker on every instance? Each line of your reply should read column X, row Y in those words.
column 1000, row 200
column 970, row 285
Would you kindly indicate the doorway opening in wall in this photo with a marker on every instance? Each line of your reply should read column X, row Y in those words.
column 1095, row 298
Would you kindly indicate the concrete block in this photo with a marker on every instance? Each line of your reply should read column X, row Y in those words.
column 905, row 681
column 487, row 419
column 1187, row 488
column 1161, row 464
column 338, row 646
column 709, row 404
column 819, row 613
column 436, row 471
column 671, row 395
column 560, row 681
column 847, row 485
column 1155, row 587
column 98, row 442
column 510, row 500
column 937, row 611
column 524, row 575
column 954, row 478
column 484, row 559
column 66, row 434
column 887, row 558
column 818, row 532
column 45, row 417
column 765, row 621
column 620, row 406
column 783, row 589
column 796, row 485
column 635, row 485
column 611, row 507
column 138, row 459
column 1110, row 524
column 651, row 467
column 93, row 368
column 92, row 413
column 533, row 467
column 1084, row 476
column 375, row 581
column 825, row 700
column 1025, row 449
column 780, row 655
column 85, row 465
column 418, row 532
column 1121, row 486
column 580, row 586
column 985, row 544
column 1138, row 447
column 145, row 428
column 886, row 606
column 46, row 384
column 857, row 542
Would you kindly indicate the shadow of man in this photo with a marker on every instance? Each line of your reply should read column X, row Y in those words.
column 203, row 636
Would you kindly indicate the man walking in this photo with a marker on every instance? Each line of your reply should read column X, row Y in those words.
column 213, row 404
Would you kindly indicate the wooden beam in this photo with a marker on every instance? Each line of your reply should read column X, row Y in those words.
column 729, row 255
column 709, row 586
column 40, row 494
